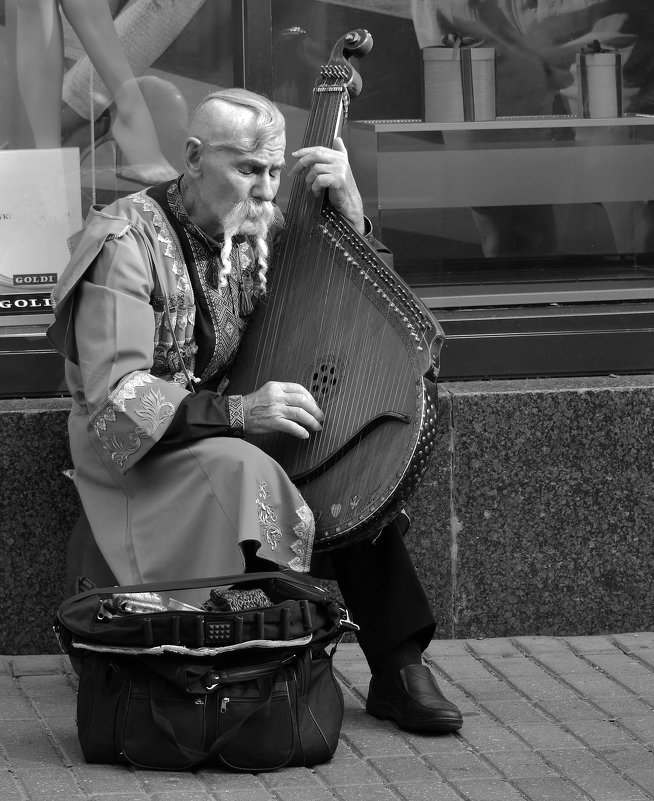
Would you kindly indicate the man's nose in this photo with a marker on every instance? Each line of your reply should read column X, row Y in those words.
column 265, row 188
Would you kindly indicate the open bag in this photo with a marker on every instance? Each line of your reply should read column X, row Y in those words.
column 244, row 681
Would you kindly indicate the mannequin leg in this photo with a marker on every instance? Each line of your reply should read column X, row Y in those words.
column 40, row 68
column 133, row 128
column 146, row 28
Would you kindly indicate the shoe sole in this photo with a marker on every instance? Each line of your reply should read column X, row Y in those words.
column 385, row 711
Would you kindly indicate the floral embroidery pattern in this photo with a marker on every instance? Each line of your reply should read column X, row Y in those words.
column 154, row 409
column 304, row 530
column 174, row 315
column 303, row 546
column 268, row 518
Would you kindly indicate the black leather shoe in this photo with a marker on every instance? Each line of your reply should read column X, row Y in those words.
column 413, row 700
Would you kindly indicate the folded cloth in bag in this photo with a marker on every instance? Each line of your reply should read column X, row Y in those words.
column 248, row 689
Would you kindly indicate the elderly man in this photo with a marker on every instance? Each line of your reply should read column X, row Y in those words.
column 149, row 315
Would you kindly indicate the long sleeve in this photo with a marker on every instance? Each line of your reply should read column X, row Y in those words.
column 114, row 327
column 205, row 414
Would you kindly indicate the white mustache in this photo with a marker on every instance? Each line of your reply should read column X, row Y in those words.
column 251, row 217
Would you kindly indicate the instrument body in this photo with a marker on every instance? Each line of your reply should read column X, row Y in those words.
column 339, row 321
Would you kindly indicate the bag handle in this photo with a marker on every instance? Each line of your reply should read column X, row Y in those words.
column 158, row 705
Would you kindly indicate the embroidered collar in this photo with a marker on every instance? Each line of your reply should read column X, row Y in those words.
column 179, row 210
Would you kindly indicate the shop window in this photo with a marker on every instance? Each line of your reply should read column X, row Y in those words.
column 530, row 235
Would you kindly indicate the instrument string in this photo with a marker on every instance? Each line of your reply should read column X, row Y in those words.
column 302, row 252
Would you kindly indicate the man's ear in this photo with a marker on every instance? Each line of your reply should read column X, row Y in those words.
column 192, row 153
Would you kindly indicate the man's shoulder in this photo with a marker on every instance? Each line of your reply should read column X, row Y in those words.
column 135, row 210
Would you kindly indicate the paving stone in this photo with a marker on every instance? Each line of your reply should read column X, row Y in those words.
column 442, row 649
column 347, row 772
column 214, row 781
column 540, row 724
column 549, row 790
column 301, row 794
column 367, row 792
column 490, row 688
column 10, row 787
column 644, row 779
column 109, row 796
column 599, row 734
column 184, row 795
column 258, row 794
column 48, row 783
column 591, row 774
column 63, row 731
column 438, row 744
column 596, row 686
column 541, row 645
column 591, row 644
column 493, row 646
column 514, row 666
column 96, row 779
column 156, row 781
column 377, row 742
column 462, row 765
column 642, row 728
column 295, row 777
column 520, row 764
column 25, row 742
column 536, row 688
column 461, row 669
column 618, row 708
column 635, row 642
column 433, row 791
column 563, row 663
column 403, row 769
column 565, row 709
column 15, row 708
column 485, row 735
column 627, row 759
column 510, row 711
column 489, row 790
column 544, row 736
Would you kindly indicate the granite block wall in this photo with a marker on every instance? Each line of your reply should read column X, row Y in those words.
column 38, row 506
column 543, row 520
column 535, row 516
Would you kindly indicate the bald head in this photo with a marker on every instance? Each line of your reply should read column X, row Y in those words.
column 237, row 119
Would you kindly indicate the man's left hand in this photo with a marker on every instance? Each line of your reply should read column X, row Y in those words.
column 329, row 169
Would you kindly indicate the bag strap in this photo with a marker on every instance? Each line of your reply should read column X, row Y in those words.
column 158, row 709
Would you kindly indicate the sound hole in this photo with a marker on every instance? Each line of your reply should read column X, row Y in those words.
column 325, row 378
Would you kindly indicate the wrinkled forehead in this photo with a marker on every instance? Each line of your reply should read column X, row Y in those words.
column 272, row 150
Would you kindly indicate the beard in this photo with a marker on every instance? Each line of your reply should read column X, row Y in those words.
column 252, row 218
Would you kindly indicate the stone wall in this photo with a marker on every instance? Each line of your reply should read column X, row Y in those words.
column 535, row 516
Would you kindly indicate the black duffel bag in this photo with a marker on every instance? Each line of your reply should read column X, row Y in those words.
column 169, row 687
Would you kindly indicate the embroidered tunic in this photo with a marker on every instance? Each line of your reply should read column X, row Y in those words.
column 169, row 485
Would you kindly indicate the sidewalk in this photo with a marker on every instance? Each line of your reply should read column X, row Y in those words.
column 545, row 719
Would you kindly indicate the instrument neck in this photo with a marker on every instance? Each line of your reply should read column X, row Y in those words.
column 324, row 123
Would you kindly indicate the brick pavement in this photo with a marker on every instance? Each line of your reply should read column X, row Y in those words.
column 545, row 719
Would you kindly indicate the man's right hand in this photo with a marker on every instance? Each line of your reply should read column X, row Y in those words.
column 282, row 406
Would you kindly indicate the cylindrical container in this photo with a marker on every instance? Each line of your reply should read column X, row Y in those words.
column 459, row 83
column 599, row 84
